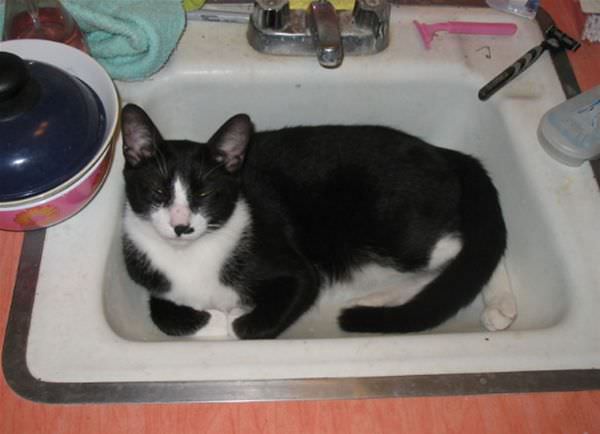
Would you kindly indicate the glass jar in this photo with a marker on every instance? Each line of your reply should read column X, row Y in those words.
column 42, row 19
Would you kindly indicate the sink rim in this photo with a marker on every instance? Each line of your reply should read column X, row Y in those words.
column 19, row 377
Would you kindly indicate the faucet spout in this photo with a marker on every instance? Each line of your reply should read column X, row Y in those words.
column 326, row 34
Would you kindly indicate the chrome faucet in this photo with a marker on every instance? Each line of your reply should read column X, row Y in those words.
column 320, row 29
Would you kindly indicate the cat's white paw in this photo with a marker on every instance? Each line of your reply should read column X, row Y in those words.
column 232, row 315
column 500, row 304
column 499, row 317
column 215, row 328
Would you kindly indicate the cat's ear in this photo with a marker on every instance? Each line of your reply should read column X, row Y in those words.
column 229, row 143
column 140, row 135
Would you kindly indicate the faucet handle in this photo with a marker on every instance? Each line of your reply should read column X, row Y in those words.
column 271, row 14
column 325, row 29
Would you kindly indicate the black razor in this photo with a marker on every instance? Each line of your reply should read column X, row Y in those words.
column 554, row 40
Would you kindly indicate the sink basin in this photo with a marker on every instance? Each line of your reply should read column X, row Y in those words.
column 79, row 329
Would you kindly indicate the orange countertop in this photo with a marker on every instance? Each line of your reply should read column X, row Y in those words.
column 566, row 412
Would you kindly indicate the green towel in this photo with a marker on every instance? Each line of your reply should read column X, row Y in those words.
column 132, row 39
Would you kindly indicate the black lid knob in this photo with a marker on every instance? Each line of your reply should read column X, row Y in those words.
column 13, row 75
column 18, row 92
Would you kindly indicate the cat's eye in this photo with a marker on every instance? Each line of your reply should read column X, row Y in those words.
column 206, row 193
column 159, row 194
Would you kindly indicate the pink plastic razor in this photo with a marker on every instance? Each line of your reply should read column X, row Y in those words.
column 427, row 31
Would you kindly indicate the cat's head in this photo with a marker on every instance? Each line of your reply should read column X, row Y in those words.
column 183, row 189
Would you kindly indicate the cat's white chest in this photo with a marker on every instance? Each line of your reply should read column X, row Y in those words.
column 193, row 269
column 194, row 276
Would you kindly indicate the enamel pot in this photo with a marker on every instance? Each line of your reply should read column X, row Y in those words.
column 58, row 128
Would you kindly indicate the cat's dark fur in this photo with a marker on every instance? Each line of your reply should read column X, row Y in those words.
column 323, row 202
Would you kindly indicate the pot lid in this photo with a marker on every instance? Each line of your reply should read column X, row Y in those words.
column 51, row 126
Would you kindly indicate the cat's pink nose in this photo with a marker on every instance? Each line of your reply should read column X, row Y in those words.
column 179, row 215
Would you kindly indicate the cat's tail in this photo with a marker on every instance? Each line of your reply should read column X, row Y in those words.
column 484, row 242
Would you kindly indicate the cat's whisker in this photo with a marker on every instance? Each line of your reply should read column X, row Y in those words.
column 163, row 168
column 161, row 162
column 213, row 227
column 207, row 174
column 159, row 157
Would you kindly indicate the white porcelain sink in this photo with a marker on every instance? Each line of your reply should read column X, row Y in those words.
column 89, row 337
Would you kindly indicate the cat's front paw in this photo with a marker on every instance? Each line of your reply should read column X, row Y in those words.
column 253, row 326
column 176, row 320
column 232, row 315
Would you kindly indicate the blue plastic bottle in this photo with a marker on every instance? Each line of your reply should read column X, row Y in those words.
column 570, row 132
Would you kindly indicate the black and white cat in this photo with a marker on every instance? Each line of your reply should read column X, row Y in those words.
column 258, row 224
